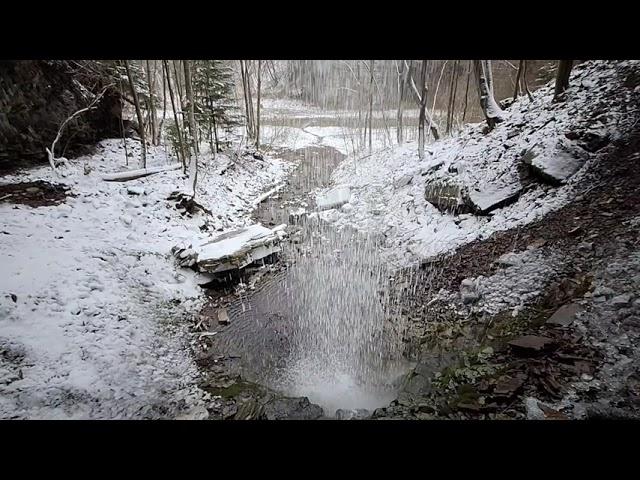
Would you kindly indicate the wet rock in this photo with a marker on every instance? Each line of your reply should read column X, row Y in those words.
column 564, row 315
column 446, row 197
column 621, row 301
column 249, row 410
column 292, row 409
column 528, row 344
column 358, row 414
column 223, row 316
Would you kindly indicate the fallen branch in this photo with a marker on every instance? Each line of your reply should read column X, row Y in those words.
column 266, row 195
column 133, row 174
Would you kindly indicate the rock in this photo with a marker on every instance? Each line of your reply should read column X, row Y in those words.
column 491, row 197
column 530, row 344
column 402, row 181
column 592, row 141
column 223, row 316
column 336, row 197
column 292, row 409
column 234, row 249
column 249, row 410
column 358, row 414
column 469, row 297
column 553, row 167
column 564, row 315
column 297, row 214
column 621, row 301
column 509, row 259
column 632, row 322
column 508, row 386
column 135, row 191
column 196, row 413
column 536, row 410
column 417, row 383
column 446, row 197
column 585, row 246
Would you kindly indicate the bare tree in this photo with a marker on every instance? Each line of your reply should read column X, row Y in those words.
column 370, row 100
column 484, row 81
column 152, row 105
column 136, row 103
column 258, row 106
column 51, row 152
column 193, row 167
column 453, row 87
column 181, row 152
column 403, row 76
column 520, row 68
column 562, row 78
column 423, row 109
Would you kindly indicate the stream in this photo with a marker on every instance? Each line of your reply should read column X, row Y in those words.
column 316, row 322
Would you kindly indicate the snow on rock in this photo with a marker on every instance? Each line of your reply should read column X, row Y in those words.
column 230, row 250
column 98, row 325
column 483, row 173
column 336, row 197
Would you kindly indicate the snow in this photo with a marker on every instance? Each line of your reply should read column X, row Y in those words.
column 333, row 198
column 484, row 166
column 98, row 328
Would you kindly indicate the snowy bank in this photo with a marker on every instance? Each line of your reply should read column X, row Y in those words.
column 93, row 308
column 477, row 183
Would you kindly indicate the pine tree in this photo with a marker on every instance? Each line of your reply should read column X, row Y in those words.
column 215, row 105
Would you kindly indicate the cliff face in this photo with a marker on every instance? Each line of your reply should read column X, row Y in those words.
column 37, row 96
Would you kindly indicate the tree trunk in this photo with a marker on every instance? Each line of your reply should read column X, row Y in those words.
column 193, row 168
column 484, row 81
column 258, row 107
column 164, row 105
column 524, row 81
column 152, row 112
column 402, row 83
column 453, row 87
column 423, row 107
column 370, row 102
column 562, row 78
column 516, row 92
column 136, row 103
column 466, row 93
column 181, row 152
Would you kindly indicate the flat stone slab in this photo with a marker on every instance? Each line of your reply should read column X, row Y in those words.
column 564, row 315
column 531, row 343
column 492, row 197
column 231, row 250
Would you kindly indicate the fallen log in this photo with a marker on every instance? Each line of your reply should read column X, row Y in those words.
column 133, row 174
column 266, row 195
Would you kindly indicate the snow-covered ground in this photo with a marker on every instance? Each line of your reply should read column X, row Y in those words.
column 388, row 187
column 93, row 309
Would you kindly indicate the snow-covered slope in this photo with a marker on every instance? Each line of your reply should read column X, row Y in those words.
column 388, row 188
column 96, row 327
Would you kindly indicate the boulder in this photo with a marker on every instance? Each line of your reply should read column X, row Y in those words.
column 446, row 197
